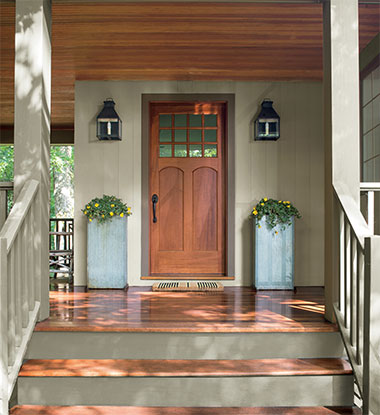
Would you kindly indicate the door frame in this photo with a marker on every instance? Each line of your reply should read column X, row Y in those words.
column 229, row 99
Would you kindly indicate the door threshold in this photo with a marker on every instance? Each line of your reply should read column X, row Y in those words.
column 187, row 277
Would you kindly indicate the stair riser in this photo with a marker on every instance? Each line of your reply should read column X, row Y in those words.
column 82, row 345
column 171, row 391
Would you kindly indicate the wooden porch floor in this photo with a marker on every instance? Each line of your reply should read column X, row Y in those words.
column 237, row 309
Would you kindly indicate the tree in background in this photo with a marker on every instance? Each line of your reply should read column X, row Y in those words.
column 61, row 177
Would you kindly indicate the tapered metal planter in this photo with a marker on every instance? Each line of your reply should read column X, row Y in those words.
column 107, row 253
column 274, row 257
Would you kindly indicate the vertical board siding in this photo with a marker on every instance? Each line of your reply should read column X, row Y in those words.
column 291, row 168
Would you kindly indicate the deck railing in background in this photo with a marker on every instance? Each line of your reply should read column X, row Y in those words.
column 6, row 191
column 19, row 288
column 353, row 309
column 369, row 191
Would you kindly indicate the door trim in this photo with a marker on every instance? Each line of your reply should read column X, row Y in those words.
column 230, row 174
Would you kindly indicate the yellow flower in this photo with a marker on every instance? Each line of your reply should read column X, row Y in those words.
column 121, row 214
column 112, row 205
column 96, row 204
column 265, row 199
column 255, row 212
column 284, row 202
column 85, row 212
column 88, row 206
column 280, row 201
column 111, row 213
column 102, row 216
column 288, row 206
column 276, row 233
column 259, row 226
column 90, row 220
column 129, row 209
column 262, row 204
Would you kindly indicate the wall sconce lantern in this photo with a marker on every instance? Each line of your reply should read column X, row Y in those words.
column 108, row 123
column 267, row 124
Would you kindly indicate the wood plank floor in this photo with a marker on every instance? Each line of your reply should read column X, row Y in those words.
column 183, row 368
column 132, row 410
column 237, row 309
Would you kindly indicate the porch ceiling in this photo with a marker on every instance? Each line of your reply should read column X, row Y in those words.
column 174, row 41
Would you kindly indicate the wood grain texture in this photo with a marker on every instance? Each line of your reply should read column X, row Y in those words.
column 173, row 41
column 133, row 410
column 139, row 309
column 189, row 235
column 183, row 368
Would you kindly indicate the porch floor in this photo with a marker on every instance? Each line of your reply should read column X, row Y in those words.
column 237, row 309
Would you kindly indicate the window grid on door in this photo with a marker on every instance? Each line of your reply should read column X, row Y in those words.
column 188, row 135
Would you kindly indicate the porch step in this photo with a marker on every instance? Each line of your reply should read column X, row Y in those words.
column 183, row 383
column 178, row 345
column 183, row 368
column 133, row 410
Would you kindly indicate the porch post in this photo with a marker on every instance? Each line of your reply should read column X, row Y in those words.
column 32, row 123
column 341, row 123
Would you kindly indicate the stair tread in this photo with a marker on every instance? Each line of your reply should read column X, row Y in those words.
column 183, row 368
column 129, row 410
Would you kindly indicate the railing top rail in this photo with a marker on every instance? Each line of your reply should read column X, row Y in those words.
column 6, row 186
column 370, row 186
column 18, row 212
column 355, row 217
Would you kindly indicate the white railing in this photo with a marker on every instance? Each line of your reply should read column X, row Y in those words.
column 19, row 288
column 5, row 189
column 369, row 190
column 353, row 309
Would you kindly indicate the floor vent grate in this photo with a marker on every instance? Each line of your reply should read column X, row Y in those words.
column 200, row 286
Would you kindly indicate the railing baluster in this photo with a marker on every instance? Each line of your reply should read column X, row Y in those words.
column 30, row 259
column 346, row 271
column 3, row 326
column 353, row 298
column 341, row 261
column 23, row 276
column 11, row 308
column 18, row 282
column 359, row 311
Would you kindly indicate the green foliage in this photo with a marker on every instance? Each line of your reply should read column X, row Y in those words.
column 277, row 212
column 105, row 208
column 61, row 175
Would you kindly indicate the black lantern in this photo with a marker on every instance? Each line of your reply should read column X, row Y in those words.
column 267, row 124
column 108, row 123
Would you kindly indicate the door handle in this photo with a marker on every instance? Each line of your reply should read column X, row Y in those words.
column 154, row 203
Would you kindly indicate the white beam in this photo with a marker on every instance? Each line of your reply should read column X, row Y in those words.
column 32, row 122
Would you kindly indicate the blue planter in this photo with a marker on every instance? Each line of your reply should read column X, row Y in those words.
column 107, row 253
column 274, row 257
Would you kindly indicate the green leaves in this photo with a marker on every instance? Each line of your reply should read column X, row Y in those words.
column 278, row 212
column 106, row 208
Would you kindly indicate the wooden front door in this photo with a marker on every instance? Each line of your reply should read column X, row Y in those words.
column 187, row 160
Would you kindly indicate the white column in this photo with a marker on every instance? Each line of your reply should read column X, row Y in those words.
column 32, row 123
column 341, row 121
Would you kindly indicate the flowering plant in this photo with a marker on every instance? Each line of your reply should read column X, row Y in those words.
column 277, row 212
column 105, row 208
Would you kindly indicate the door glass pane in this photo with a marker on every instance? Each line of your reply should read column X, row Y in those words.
column 165, row 120
column 180, row 150
column 165, row 150
column 165, row 135
column 179, row 135
column 195, row 150
column 195, row 120
column 210, row 135
column 210, row 150
column 195, row 135
column 210, row 120
column 180, row 120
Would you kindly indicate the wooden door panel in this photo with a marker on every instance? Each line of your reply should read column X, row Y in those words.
column 170, row 209
column 205, row 212
column 187, row 160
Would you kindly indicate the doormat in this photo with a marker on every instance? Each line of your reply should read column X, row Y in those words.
column 188, row 286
